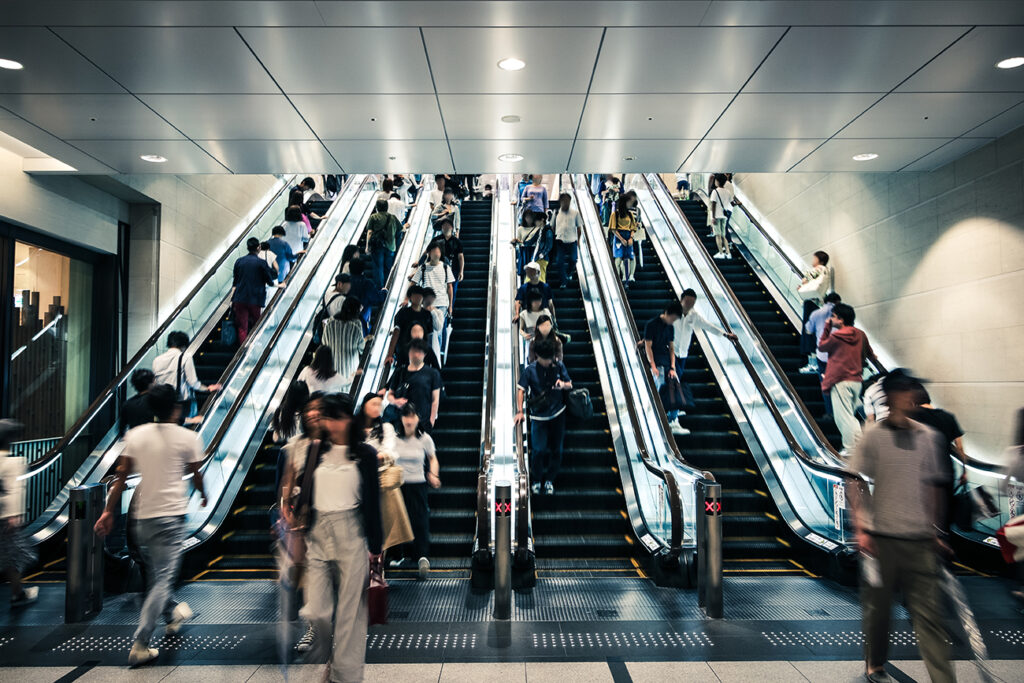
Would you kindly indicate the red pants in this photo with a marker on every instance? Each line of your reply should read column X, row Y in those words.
column 245, row 315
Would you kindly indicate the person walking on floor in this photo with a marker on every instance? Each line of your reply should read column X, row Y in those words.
column 897, row 530
column 252, row 276
column 545, row 381
column 415, row 453
column 16, row 553
column 847, row 347
column 163, row 453
column 343, row 535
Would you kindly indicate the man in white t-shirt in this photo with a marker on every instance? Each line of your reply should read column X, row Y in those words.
column 683, row 330
column 164, row 454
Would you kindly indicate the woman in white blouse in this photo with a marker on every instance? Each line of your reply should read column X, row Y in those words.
column 320, row 375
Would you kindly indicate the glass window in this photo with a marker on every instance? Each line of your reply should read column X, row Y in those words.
column 50, row 340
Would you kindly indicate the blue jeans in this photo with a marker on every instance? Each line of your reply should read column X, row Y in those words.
column 383, row 260
column 687, row 392
column 546, row 438
column 659, row 382
column 822, row 366
column 566, row 253
column 161, row 541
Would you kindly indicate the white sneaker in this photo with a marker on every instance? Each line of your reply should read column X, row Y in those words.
column 27, row 597
column 679, row 430
column 306, row 641
column 719, row 256
column 140, row 654
column 182, row 613
column 808, row 370
column 535, row 489
column 424, row 566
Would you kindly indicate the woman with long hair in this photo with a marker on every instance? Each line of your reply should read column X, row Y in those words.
column 287, row 421
column 349, row 254
column 621, row 226
column 381, row 435
column 416, row 455
column 343, row 334
column 320, row 375
column 341, row 516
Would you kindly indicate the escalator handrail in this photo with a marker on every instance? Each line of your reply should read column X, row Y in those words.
column 665, row 474
column 795, row 447
column 797, row 270
column 483, row 517
column 154, row 339
column 222, row 430
column 524, row 517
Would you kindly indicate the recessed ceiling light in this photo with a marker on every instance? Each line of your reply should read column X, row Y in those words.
column 629, row 158
column 510, row 118
column 1011, row 63
column 868, row 156
column 153, row 158
column 510, row 157
column 511, row 64
column 392, row 158
column 14, row 66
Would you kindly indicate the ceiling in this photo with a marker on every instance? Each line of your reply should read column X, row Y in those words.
column 300, row 86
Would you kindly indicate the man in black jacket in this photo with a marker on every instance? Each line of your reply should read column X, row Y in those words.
column 252, row 276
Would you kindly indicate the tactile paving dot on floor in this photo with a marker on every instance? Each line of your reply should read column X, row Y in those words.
column 827, row 638
column 621, row 639
column 420, row 641
column 1014, row 637
column 4, row 640
column 114, row 643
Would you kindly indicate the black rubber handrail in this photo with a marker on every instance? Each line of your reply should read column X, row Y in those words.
column 666, row 475
column 154, row 339
column 794, row 445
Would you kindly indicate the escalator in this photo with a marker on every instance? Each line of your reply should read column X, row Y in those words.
column 755, row 539
column 584, row 527
column 457, row 431
column 778, row 332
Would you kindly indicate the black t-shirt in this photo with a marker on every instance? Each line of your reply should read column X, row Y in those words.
column 418, row 387
column 452, row 249
column 660, row 334
column 944, row 423
column 135, row 412
column 406, row 318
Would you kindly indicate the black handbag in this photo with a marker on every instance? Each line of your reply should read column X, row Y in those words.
column 579, row 404
column 538, row 403
column 671, row 393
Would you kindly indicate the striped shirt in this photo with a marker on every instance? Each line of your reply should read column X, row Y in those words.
column 345, row 340
column 437, row 278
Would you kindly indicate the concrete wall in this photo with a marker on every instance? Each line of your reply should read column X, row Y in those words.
column 196, row 214
column 62, row 206
column 933, row 262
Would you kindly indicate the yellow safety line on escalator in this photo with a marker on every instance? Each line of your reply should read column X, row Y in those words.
column 50, row 564
column 804, row 569
column 971, row 569
column 639, row 570
column 783, row 542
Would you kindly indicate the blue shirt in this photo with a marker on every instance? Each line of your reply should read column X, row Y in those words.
column 660, row 334
column 542, row 287
column 283, row 251
column 252, row 275
column 535, row 198
column 535, row 379
column 816, row 326
column 367, row 291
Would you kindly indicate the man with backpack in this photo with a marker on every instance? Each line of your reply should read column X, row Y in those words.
column 436, row 273
column 452, row 252
column 545, row 381
column 381, row 231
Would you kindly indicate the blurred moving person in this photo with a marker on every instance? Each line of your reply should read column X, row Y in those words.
column 16, row 554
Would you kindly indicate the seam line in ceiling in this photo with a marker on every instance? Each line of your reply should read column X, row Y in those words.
column 963, row 136
column 583, row 110
column 437, row 98
column 875, row 103
column 735, row 95
column 139, row 99
column 285, row 95
column 60, row 139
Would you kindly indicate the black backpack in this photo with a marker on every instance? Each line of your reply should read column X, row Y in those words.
column 331, row 184
column 321, row 316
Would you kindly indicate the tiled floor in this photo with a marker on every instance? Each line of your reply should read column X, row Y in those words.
column 1006, row 671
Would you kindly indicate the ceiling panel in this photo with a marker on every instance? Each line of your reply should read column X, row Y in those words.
column 395, row 117
column 71, row 116
column 278, row 156
column 947, row 153
column 969, row 66
column 602, row 156
column 374, row 156
column 50, row 65
column 164, row 12
column 343, row 60
column 231, row 117
column 837, row 154
column 849, row 59
column 924, row 115
column 173, row 60
column 861, row 12
column 539, row 156
column 182, row 155
column 558, row 60
column 56, row 148
column 651, row 116
column 790, row 116
column 766, row 156
column 1002, row 124
column 478, row 117
column 674, row 60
